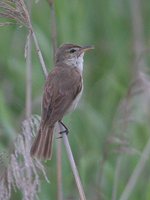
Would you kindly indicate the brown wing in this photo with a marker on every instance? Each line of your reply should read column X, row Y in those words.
column 62, row 86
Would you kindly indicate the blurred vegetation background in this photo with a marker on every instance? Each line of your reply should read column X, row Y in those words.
column 110, row 130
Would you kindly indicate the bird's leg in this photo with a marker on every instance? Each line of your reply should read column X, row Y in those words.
column 66, row 129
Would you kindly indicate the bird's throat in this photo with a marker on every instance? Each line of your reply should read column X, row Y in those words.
column 76, row 62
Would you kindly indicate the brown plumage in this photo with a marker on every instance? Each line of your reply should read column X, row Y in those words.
column 57, row 98
column 62, row 92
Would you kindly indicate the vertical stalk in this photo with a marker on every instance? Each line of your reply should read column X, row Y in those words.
column 59, row 143
column 65, row 138
column 39, row 53
column 53, row 27
column 136, row 173
column 59, row 171
column 138, row 35
column 73, row 167
column 29, row 71
column 28, row 78
column 138, row 66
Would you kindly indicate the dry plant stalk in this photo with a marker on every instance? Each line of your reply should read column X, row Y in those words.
column 65, row 138
column 139, row 89
column 16, row 10
column 28, row 56
column 28, row 76
column 141, row 84
column 17, row 169
column 74, row 168
column 53, row 27
column 59, row 142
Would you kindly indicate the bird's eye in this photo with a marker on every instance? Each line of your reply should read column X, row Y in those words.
column 72, row 50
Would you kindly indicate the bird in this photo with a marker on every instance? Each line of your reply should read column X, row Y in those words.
column 62, row 91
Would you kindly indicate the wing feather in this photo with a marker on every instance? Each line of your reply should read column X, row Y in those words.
column 61, row 88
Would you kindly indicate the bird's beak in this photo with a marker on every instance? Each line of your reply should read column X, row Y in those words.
column 86, row 48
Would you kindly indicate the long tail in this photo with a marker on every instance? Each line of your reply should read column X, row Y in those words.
column 42, row 146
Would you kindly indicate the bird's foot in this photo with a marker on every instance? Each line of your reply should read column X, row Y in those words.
column 66, row 129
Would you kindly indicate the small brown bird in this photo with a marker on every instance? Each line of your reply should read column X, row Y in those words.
column 62, row 91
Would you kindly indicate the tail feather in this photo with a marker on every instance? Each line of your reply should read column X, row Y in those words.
column 42, row 146
column 48, row 145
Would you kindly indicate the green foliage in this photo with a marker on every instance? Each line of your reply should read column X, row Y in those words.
column 107, row 75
